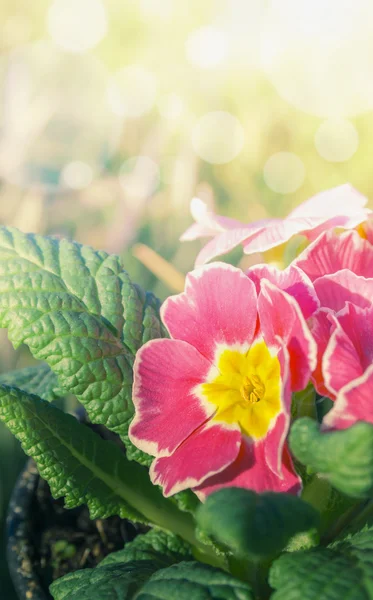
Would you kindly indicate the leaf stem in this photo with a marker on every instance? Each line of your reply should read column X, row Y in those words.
column 352, row 515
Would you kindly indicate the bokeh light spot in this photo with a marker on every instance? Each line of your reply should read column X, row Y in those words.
column 206, row 47
column 157, row 9
column 336, row 140
column 77, row 25
column 55, row 112
column 218, row 137
column 171, row 106
column 139, row 177
column 77, row 175
column 319, row 55
column 284, row 172
column 132, row 91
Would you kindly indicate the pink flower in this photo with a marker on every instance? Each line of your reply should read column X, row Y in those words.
column 348, row 367
column 213, row 402
column 342, row 206
column 341, row 269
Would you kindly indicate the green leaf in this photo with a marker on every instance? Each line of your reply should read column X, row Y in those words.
column 303, row 403
column 194, row 580
column 111, row 582
column 254, row 525
column 344, row 457
column 141, row 580
column 343, row 570
column 77, row 309
column 38, row 380
column 163, row 547
column 84, row 468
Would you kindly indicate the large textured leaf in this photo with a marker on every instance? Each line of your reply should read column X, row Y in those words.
column 111, row 582
column 163, row 547
column 343, row 570
column 39, row 380
column 254, row 525
column 77, row 309
column 84, row 468
column 193, row 580
column 344, row 457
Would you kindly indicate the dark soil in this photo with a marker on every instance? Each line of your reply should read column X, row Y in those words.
column 67, row 540
column 54, row 541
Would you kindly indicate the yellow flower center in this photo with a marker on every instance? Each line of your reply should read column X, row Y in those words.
column 247, row 389
column 361, row 229
column 252, row 389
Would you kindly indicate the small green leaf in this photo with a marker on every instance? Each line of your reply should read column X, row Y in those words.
column 111, row 582
column 194, row 581
column 80, row 465
column 38, row 380
column 254, row 525
column 344, row 457
column 344, row 570
column 303, row 403
column 163, row 547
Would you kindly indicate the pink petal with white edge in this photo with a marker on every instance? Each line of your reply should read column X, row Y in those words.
column 206, row 452
column 344, row 286
column 207, row 222
column 342, row 206
column 353, row 403
column 250, row 470
column 341, row 361
column 281, row 319
column 227, row 240
column 291, row 280
column 320, row 326
column 358, row 325
column 166, row 373
column 339, row 207
column 341, row 200
column 332, row 252
column 275, row 439
column 219, row 306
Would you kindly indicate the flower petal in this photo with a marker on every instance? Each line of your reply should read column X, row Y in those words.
column 219, row 306
column 227, row 240
column 331, row 253
column 291, row 280
column 207, row 222
column 341, row 200
column 206, row 452
column 276, row 436
column 250, row 470
column 341, row 362
column 320, row 326
column 342, row 206
column 353, row 403
column 166, row 376
column 344, row 286
column 281, row 319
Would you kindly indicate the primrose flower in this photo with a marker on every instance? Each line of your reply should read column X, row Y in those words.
column 341, row 270
column 342, row 206
column 213, row 402
column 348, row 367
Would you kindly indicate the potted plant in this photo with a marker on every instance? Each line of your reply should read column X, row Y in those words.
column 241, row 410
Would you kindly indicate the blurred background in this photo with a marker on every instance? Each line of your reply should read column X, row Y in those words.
column 115, row 113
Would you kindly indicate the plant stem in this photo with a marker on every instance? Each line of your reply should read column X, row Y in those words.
column 362, row 516
column 254, row 573
column 345, row 520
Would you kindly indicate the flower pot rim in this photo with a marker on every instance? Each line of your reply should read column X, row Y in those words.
column 26, row 580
